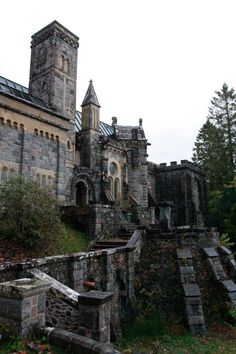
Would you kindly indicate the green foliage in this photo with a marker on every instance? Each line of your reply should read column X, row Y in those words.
column 18, row 345
column 225, row 240
column 222, row 211
column 72, row 240
column 210, row 153
column 175, row 339
column 142, row 331
column 31, row 214
column 215, row 146
column 222, row 113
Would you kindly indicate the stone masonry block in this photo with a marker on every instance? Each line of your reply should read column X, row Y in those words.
column 191, row 290
column 183, row 253
column 229, row 285
column 210, row 252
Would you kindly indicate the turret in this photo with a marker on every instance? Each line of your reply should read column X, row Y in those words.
column 90, row 109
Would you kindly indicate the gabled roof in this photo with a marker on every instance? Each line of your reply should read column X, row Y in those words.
column 90, row 96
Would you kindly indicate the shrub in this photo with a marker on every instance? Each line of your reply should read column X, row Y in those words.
column 30, row 213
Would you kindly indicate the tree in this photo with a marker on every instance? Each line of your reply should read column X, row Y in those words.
column 210, row 153
column 222, row 113
column 31, row 213
column 222, row 210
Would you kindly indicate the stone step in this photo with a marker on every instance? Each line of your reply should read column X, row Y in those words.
column 105, row 244
column 114, row 241
column 125, row 237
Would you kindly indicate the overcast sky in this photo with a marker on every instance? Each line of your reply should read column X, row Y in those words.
column 156, row 60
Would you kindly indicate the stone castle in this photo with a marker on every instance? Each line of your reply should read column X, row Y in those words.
column 160, row 254
column 100, row 172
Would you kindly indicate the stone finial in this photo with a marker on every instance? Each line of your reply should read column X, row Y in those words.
column 140, row 123
column 114, row 121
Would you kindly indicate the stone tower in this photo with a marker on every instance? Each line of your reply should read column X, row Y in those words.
column 53, row 68
column 90, row 134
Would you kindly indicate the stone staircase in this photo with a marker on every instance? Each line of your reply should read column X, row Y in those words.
column 121, row 240
column 191, row 292
column 226, row 288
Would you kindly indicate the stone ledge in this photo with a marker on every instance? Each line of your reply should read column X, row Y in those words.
column 94, row 298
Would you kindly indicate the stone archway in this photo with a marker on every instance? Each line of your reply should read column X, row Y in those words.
column 81, row 194
column 83, row 190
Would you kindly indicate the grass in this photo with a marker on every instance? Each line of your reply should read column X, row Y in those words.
column 73, row 241
column 152, row 337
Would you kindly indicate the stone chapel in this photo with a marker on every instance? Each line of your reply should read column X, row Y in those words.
column 99, row 171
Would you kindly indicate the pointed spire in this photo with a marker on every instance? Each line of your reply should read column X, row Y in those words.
column 90, row 96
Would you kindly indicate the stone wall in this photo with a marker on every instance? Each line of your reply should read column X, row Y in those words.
column 158, row 282
column 180, row 275
column 110, row 270
column 41, row 158
column 183, row 184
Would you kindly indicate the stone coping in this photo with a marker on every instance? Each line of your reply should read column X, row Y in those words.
column 23, row 288
column 210, row 252
column 71, row 296
column 37, row 262
column 229, row 285
column 94, row 298
column 191, row 290
column 224, row 250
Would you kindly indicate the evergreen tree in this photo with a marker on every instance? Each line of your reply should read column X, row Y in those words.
column 222, row 113
column 210, row 153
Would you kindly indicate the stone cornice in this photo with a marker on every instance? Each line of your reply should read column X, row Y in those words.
column 55, row 28
column 33, row 116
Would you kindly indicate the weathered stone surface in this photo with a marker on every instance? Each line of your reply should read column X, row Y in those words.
column 75, row 342
column 184, row 253
column 22, row 288
column 24, row 304
column 195, row 320
column 210, row 252
column 94, row 297
column 224, row 250
column 191, row 290
column 229, row 285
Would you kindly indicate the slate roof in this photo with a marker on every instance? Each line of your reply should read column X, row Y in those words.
column 90, row 96
column 104, row 128
column 13, row 89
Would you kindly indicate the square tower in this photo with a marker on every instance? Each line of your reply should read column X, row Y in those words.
column 53, row 68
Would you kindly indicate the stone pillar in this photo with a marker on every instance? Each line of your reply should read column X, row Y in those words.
column 22, row 304
column 152, row 215
column 94, row 314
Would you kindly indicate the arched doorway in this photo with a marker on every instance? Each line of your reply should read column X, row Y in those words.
column 82, row 194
